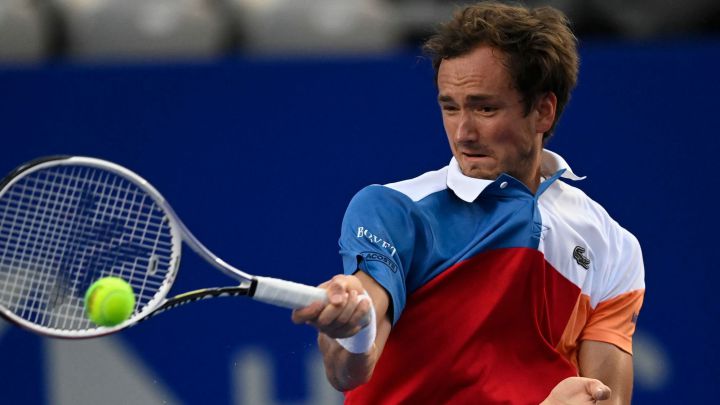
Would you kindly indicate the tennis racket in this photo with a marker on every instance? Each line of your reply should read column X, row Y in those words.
column 67, row 221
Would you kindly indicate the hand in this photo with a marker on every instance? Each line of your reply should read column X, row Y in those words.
column 578, row 391
column 345, row 312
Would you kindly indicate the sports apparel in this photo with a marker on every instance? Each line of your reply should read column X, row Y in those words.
column 491, row 287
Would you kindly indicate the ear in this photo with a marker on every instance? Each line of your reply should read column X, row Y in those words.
column 545, row 106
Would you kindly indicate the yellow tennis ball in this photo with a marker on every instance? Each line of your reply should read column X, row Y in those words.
column 109, row 301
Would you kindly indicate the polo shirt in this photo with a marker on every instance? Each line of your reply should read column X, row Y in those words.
column 492, row 287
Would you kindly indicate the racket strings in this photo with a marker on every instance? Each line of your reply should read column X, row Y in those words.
column 62, row 228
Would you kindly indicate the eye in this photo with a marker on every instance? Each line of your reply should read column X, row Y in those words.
column 486, row 109
column 449, row 108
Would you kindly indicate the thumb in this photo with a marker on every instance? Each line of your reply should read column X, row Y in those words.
column 598, row 390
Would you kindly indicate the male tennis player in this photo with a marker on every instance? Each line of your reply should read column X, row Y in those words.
column 492, row 279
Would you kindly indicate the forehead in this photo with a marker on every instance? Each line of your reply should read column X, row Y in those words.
column 481, row 69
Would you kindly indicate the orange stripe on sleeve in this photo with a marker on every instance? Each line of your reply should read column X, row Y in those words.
column 568, row 345
column 612, row 321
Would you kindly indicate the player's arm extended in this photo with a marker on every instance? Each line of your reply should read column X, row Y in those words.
column 343, row 317
column 609, row 364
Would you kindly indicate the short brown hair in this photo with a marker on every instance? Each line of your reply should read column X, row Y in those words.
column 541, row 49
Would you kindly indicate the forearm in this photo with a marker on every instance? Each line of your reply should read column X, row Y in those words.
column 346, row 370
column 610, row 365
column 346, row 316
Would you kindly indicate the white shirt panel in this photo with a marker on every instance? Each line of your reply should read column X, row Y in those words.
column 571, row 220
column 422, row 186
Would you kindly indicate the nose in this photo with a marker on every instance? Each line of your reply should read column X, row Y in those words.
column 466, row 130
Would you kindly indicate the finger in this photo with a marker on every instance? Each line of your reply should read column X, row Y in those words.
column 336, row 291
column 307, row 314
column 347, row 313
column 360, row 316
column 329, row 314
column 598, row 390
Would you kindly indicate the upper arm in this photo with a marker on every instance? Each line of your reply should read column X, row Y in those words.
column 617, row 289
column 609, row 364
column 378, row 237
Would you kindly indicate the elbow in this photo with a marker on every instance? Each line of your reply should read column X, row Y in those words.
column 348, row 381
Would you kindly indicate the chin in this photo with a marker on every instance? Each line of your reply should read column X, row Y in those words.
column 484, row 168
column 481, row 174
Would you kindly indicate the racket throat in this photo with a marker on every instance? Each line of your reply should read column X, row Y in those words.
column 253, row 287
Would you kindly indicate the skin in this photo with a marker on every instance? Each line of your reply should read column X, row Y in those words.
column 578, row 391
column 346, row 370
column 489, row 133
column 610, row 365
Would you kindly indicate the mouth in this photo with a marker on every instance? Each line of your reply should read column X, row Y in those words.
column 474, row 155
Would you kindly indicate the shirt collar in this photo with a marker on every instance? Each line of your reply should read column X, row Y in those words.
column 469, row 188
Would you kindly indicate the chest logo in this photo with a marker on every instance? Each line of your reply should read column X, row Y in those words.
column 580, row 258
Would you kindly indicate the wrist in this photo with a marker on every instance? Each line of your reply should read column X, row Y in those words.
column 362, row 342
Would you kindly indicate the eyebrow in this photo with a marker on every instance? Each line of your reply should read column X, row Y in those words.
column 473, row 98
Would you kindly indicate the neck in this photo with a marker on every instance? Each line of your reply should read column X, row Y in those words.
column 530, row 176
column 533, row 182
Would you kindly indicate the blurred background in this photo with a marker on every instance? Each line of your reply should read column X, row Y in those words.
column 33, row 31
column 259, row 119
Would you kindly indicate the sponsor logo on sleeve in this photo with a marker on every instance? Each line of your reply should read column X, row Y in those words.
column 377, row 257
column 363, row 232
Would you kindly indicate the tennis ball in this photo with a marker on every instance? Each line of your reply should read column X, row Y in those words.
column 109, row 301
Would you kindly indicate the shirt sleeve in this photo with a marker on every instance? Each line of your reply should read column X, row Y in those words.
column 378, row 237
column 617, row 305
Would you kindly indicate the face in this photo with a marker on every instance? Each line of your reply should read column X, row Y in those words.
column 485, row 120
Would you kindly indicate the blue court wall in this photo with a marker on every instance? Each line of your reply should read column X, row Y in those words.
column 260, row 157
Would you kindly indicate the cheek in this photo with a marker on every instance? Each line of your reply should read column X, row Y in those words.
column 511, row 138
column 450, row 126
column 502, row 132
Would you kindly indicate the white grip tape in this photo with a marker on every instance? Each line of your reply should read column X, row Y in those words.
column 287, row 294
column 362, row 341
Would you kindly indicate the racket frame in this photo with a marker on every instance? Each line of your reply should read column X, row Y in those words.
column 271, row 291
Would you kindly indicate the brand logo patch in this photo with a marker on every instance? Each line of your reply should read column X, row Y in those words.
column 376, row 257
column 580, row 258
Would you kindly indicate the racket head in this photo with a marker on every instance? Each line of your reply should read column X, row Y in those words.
column 66, row 222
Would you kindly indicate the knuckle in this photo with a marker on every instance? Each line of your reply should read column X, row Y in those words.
column 339, row 280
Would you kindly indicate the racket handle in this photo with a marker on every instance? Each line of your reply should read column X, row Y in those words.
column 287, row 294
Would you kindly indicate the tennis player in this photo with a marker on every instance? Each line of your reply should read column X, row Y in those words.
column 493, row 279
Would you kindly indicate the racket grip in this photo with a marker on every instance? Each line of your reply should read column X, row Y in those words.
column 287, row 294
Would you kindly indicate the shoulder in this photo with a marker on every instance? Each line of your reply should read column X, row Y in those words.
column 573, row 205
column 422, row 186
column 402, row 193
column 580, row 226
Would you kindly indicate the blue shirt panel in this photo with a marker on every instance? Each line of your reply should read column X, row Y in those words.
column 403, row 244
